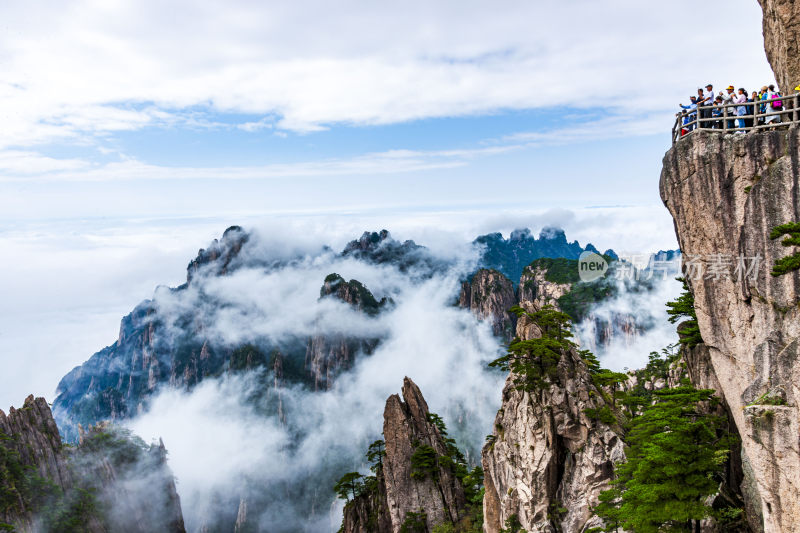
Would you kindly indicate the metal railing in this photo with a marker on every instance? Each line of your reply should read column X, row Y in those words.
column 760, row 115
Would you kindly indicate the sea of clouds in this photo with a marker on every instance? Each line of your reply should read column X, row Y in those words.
column 221, row 445
column 223, row 448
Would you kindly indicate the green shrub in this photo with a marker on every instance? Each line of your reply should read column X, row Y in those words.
column 534, row 362
column 769, row 398
column 676, row 448
column 683, row 307
column 558, row 269
column 512, row 525
column 415, row 522
column 792, row 262
column 603, row 414
column 424, row 463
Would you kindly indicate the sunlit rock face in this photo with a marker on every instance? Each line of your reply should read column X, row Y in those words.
column 781, row 26
column 438, row 495
column 726, row 193
column 546, row 461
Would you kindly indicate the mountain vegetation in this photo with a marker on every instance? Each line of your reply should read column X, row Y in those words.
column 533, row 362
column 789, row 263
column 683, row 308
column 510, row 256
column 676, row 451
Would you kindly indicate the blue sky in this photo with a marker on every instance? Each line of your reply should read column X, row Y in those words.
column 132, row 91
column 133, row 132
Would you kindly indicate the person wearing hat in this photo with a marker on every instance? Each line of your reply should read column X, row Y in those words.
column 707, row 101
column 727, row 98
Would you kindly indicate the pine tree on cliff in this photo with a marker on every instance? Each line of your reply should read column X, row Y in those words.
column 676, row 450
column 349, row 485
column 789, row 263
column 534, row 361
column 683, row 307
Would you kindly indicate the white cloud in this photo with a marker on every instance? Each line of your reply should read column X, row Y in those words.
column 79, row 69
column 25, row 163
column 443, row 348
column 649, row 308
column 66, row 284
column 19, row 166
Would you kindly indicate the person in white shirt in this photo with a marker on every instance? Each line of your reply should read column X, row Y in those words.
column 727, row 98
column 708, row 101
column 741, row 110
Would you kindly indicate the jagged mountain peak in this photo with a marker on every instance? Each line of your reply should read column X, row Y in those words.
column 382, row 248
column 368, row 241
column 553, row 233
column 413, row 401
column 411, row 493
column 220, row 253
column 110, row 481
column 510, row 256
column 352, row 292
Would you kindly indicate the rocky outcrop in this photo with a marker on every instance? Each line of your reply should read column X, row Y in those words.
column 547, row 461
column 109, row 482
column 781, row 25
column 220, row 254
column 415, row 487
column 409, row 488
column 327, row 355
column 726, row 193
column 536, row 289
column 490, row 295
column 29, row 434
column 242, row 524
column 368, row 513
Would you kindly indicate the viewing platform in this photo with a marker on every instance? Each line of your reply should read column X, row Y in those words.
column 759, row 115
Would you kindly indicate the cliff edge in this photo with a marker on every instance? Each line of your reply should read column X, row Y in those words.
column 781, row 28
column 726, row 193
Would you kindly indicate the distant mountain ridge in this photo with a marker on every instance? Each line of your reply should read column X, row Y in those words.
column 115, row 382
column 172, row 342
column 510, row 256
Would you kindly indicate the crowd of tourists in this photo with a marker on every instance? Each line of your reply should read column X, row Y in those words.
column 745, row 110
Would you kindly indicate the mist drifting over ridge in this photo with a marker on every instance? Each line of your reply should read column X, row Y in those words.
column 225, row 425
column 235, row 437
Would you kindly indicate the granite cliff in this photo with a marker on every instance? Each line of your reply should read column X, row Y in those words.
column 490, row 295
column 419, row 483
column 109, row 482
column 547, row 460
column 726, row 193
column 781, row 26
column 748, row 318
